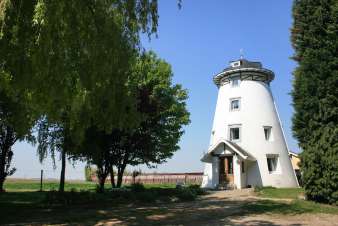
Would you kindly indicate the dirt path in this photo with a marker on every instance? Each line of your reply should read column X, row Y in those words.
column 217, row 208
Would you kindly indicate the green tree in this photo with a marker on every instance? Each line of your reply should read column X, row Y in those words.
column 13, row 106
column 17, row 115
column 162, row 109
column 164, row 112
column 82, row 52
column 315, row 95
column 96, row 151
column 54, row 138
column 73, row 58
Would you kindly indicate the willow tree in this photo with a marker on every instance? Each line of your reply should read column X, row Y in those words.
column 17, row 114
column 83, row 53
column 315, row 95
column 69, row 54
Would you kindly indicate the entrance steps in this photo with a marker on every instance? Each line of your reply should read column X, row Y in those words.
column 226, row 186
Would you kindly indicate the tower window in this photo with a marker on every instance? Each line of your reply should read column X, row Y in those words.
column 235, row 82
column 272, row 161
column 235, row 133
column 235, row 64
column 234, row 104
column 267, row 133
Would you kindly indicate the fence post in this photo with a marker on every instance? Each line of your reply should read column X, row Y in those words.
column 41, row 175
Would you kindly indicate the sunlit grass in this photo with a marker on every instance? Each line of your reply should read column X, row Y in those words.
column 296, row 205
column 52, row 185
column 280, row 193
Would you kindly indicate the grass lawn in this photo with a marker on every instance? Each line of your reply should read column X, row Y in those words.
column 280, row 193
column 23, row 203
column 12, row 185
column 297, row 205
column 48, row 185
column 151, row 205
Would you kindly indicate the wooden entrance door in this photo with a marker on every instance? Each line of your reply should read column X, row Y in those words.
column 226, row 170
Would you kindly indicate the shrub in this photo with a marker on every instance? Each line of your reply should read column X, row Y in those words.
column 137, row 187
column 147, row 196
column 186, row 194
column 55, row 198
column 195, row 188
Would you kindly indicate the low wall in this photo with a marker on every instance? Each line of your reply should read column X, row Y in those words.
column 162, row 178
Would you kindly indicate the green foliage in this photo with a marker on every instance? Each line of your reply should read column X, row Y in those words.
column 163, row 109
column 196, row 188
column 17, row 115
column 54, row 198
column 162, row 113
column 186, row 194
column 137, row 187
column 88, row 172
column 71, row 60
column 315, row 96
column 77, row 64
column 85, row 49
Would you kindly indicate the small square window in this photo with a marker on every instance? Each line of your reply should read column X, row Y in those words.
column 272, row 163
column 267, row 133
column 235, row 64
column 235, row 82
column 235, row 133
column 234, row 104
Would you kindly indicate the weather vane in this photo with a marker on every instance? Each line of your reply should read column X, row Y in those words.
column 241, row 53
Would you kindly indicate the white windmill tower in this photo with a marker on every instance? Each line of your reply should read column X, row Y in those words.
column 247, row 145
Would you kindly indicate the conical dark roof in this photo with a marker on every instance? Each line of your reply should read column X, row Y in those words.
column 245, row 70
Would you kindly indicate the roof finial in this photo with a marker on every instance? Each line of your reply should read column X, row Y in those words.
column 241, row 53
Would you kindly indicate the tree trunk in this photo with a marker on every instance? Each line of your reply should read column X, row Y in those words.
column 112, row 177
column 2, row 185
column 63, row 171
column 119, row 179
column 120, row 172
column 102, row 180
column 102, row 174
column 8, row 139
column 2, row 170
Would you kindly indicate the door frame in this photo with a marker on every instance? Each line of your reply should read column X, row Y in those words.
column 226, row 169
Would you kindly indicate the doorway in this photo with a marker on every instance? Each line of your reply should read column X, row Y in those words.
column 226, row 170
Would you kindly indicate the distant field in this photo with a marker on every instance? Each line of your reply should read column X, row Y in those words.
column 50, row 185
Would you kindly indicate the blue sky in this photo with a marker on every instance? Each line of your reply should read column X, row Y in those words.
column 198, row 41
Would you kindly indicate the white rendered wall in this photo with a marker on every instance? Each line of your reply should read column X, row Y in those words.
column 257, row 109
column 237, row 172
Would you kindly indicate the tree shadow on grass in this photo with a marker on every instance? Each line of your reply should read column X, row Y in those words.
column 207, row 211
